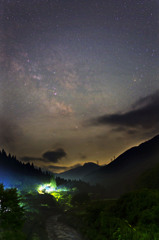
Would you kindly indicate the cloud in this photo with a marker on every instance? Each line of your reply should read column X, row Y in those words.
column 30, row 159
column 153, row 98
column 144, row 114
column 83, row 156
column 130, row 131
column 47, row 157
column 54, row 156
column 59, row 169
column 10, row 132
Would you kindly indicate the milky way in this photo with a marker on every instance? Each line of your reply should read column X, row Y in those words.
column 65, row 65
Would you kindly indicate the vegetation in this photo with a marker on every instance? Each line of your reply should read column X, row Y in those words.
column 11, row 215
column 149, row 179
column 134, row 216
column 14, row 173
column 38, row 208
column 80, row 199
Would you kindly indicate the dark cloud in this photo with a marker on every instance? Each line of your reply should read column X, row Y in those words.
column 49, row 156
column 130, row 131
column 54, row 156
column 83, row 156
column 147, row 100
column 118, row 129
column 145, row 114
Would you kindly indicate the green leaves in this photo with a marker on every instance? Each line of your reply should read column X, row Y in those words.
column 11, row 214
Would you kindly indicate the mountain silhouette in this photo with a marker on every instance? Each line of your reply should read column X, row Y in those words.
column 80, row 172
column 120, row 175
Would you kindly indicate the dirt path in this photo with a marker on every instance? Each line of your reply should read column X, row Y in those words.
column 60, row 231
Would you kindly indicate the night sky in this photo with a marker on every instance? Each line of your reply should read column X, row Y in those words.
column 79, row 79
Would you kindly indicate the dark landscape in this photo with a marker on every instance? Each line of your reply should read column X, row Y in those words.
column 76, row 209
column 79, row 120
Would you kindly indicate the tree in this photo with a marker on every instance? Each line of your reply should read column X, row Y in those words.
column 11, row 215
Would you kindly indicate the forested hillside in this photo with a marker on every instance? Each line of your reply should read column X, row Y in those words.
column 14, row 173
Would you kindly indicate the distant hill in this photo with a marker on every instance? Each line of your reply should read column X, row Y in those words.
column 120, row 175
column 80, row 172
column 14, row 173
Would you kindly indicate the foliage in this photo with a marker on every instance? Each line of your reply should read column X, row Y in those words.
column 14, row 173
column 138, row 206
column 134, row 216
column 80, row 198
column 149, row 179
column 39, row 207
column 11, row 215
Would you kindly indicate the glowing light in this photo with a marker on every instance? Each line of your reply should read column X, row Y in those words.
column 52, row 189
column 46, row 188
column 56, row 192
column 56, row 195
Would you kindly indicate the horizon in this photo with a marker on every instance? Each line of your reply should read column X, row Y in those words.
column 65, row 169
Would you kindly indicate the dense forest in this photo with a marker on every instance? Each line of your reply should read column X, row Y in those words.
column 14, row 173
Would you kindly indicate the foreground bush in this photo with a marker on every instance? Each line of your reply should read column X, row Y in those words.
column 11, row 215
column 135, row 216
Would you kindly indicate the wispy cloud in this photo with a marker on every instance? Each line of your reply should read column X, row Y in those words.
column 31, row 159
column 145, row 114
column 62, row 168
column 10, row 132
